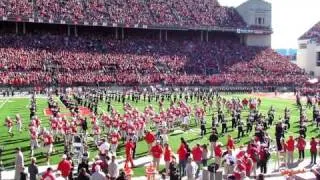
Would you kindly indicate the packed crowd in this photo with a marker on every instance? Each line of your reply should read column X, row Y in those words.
column 313, row 33
column 112, row 129
column 17, row 8
column 188, row 13
column 44, row 59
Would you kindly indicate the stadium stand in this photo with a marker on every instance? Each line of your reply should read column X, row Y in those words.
column 46, row 57
column 188, row 13
column 83, row 60
column 313, row 33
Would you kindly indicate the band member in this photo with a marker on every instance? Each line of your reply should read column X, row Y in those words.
column 224, row 125
column 48, row 144
column 123, row 129
column 240, row 129
column 203, row 126
column 115, row 137
column 96, row 133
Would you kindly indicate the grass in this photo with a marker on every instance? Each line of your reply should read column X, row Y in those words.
column 12, row 106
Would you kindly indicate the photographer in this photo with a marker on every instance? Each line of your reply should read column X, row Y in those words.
column 173, row 169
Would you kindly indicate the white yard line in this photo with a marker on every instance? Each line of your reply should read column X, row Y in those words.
column 1, row 105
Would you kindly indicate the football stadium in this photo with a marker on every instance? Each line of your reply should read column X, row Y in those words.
column 153, row 90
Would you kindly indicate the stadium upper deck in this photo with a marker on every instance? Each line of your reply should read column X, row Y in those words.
column 168, row 14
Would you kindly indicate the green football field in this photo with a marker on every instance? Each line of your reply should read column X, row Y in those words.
column 13, row 105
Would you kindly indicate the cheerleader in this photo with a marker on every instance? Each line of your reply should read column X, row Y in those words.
column 9, row 125
column 19, row 122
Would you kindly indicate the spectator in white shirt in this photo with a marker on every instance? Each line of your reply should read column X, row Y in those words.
column 113, row 168
column 104, row 149
column 191, row 169
column 98, row 174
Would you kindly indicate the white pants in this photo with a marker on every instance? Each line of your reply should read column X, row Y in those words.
column 113, row 148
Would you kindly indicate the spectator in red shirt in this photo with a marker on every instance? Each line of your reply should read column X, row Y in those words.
column 241, row 153
column 98, row 162
column 254, row 155
column 129, row 152
column 167, row 156
column 301, row 145
column 290, row 149
column 218, row 153
column 149, row 138
column 239, row 170
column 182, row 153
column 230, row 143
column 264, row 156
column 48, row 175
column 197, row 157
column 64, row 167
column 313, row 150
column 248, row 163
column 156, row 152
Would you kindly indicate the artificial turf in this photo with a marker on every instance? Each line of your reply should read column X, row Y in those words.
column 10, row 106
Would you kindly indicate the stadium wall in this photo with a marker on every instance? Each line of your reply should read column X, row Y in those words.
column 258, row 40
column 256, row 13
column 308, row 56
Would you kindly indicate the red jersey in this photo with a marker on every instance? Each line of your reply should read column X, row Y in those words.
column 230, row 144
column 64, row 167
column 150, row 138
column 54, row 124
column 38, row 122
column 129, row 147
column 313, row 146
column 301, row 144
column 197, row 154
column 108, row 123
column 182, row 152
column 48, row 176
column 48, row 139
column 34, row 135
column 93, row 120
column 9, row 123
column 167, row 154
column 130, row 129
column 115, row 137
column 115, row 123
column 156, row 151
column 290, row 145
column 123, row 126
column 218, row 151
column 240, row 154
column 248, row 164
column 240, row 168
column 96, row 130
